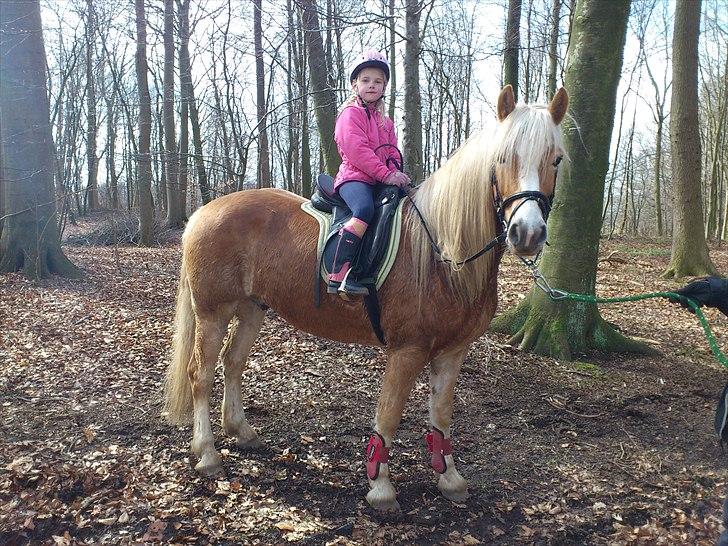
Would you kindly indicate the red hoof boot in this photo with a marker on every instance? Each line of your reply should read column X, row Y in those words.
column 438, row 446
column 376, row 454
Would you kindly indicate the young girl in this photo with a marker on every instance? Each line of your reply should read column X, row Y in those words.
column 367, row 145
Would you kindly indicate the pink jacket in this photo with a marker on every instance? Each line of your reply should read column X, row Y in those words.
column 357, row 136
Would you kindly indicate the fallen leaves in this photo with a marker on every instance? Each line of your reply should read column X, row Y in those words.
column 621, row 456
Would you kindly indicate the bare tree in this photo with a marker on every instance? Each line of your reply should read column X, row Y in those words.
column 144, row 160
column 92, row 162
column 175, row 192
column 30, row 239
column 553, row 49
column 324, row 96
column 412, row 141
column 188, row 97
column 263, row 148
column 512, row 46
column 689, row 249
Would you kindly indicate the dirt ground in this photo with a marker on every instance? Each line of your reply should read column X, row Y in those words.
column 611, row 449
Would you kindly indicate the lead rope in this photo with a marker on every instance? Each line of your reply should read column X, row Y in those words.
column 557, row 295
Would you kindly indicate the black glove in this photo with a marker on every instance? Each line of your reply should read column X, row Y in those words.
column 711, row 291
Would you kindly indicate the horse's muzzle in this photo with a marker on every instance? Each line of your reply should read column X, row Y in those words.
column 525, row 239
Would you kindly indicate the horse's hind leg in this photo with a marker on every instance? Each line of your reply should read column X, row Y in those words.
column 210, row 331
column 234, row 357
column 444, row 372
column 403, row 367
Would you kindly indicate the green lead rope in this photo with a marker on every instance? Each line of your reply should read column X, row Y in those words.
column 721, row 412
column 556, row 294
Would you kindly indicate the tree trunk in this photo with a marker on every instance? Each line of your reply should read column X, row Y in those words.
column 111, row 175
column 392, row 24
column 512, row 46
column 324, row 96
column 144, row 159
column 299, row 62
column 188, row 96
column 184, row 114
column 658, row 176
column 412, row 140
column 92, row 162
column 562, row 329
column 263, row 148
column 30, row 239
column 689, row 248
column 553, row 49
column 175, row 210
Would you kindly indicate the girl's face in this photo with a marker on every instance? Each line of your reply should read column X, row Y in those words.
column 369, row 84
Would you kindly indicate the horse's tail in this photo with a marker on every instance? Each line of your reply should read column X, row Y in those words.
column 177, row 388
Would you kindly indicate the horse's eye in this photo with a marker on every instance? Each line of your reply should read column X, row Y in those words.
column 557, row 161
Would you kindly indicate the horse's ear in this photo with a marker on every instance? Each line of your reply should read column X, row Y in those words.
column 506, row 102
column 559, row 105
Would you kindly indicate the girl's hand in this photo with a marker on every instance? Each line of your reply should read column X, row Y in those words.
column 397, row 178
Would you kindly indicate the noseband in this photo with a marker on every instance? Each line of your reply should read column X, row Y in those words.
column 543, row 201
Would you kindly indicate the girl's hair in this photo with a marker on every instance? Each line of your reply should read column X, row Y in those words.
column 378, row 106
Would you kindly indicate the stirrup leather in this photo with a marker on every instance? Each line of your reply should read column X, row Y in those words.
column 438, row 446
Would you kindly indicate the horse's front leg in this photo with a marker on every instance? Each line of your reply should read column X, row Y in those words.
column 444, row 372
column 403, row 367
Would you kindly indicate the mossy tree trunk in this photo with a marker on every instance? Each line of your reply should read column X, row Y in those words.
column 689, row 248
column 538, row 324
column 30, row 239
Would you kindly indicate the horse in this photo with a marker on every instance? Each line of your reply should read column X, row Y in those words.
column 249, row 251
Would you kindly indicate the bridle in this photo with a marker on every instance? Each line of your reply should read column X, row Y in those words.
column 543, row 201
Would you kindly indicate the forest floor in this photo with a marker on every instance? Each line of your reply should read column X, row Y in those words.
column 610, row 449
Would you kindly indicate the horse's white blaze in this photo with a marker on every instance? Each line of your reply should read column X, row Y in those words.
column 528, row 216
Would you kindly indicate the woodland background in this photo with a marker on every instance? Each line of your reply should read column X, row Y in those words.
column 244, row 113
column 125, row 142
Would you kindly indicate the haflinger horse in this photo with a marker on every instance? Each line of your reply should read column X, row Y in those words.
column 253, row 250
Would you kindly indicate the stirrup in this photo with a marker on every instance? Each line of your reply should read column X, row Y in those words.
column 351, row 287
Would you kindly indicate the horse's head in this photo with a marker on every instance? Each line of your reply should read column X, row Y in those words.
column 524, row 161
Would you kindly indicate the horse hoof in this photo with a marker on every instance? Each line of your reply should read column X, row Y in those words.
column 456, row 496
column 251, row 443
column 209, row 465
column 384, row 506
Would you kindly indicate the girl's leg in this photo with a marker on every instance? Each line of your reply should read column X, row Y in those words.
column 359, row 198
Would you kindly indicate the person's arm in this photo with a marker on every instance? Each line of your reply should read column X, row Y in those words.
column 710, row 291
column 351, row 136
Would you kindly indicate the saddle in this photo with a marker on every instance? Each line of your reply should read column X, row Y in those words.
column 375, row 248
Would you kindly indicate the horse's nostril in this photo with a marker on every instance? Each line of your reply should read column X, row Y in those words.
column 514, row 234
column 542, row 235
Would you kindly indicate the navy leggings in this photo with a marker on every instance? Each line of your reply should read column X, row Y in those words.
column 359, row 197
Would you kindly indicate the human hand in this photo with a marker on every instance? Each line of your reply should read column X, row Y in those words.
column 397, row 178
column 710, row 291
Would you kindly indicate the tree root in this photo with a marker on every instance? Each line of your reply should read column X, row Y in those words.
column 678, row 271
column 561, row 330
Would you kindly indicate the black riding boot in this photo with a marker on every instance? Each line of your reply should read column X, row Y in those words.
column 341, row 278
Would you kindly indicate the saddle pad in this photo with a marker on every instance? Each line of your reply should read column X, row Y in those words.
column 324, row 220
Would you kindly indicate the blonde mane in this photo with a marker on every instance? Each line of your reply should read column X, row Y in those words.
column 457, row 201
